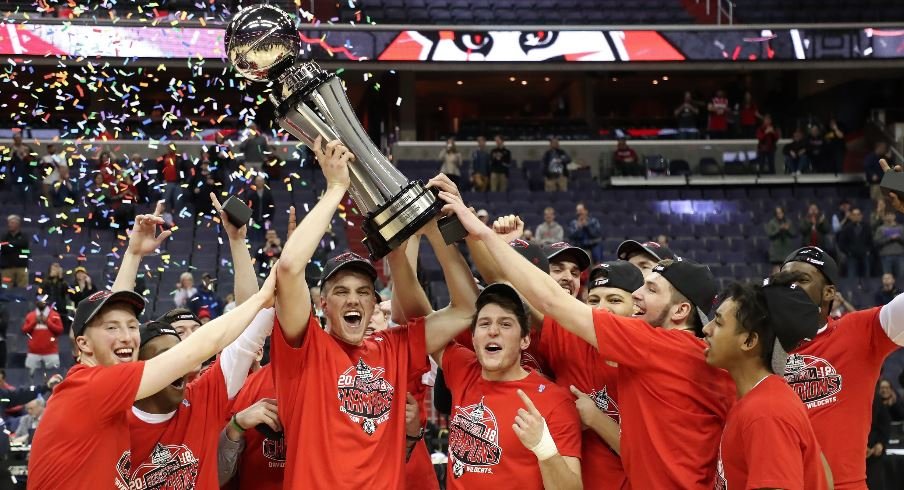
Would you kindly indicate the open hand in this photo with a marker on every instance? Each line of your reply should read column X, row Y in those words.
column 509, row 227
column 143, row 239
column 468, row 219
column 892, row 197
column 262, row 412
column 529, row 424
column 334, row 160
column 443, row 183
column 231, row 231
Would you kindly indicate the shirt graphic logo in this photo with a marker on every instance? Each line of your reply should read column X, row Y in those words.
column 605, row 403
column 275, row 452
column 171, row 467
column 474, row 440
column 814, row 380
column 365, row 396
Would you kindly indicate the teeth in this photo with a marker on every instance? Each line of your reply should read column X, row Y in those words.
column 123, row 352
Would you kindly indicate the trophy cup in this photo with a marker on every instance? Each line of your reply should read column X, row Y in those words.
column 262, row 44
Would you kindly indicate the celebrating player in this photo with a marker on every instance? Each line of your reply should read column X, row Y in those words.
column 643, row 255
column 566, row 264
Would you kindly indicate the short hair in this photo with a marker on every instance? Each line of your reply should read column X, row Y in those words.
column 186, row 275
column 15, row 217
column 549, row 208
column 505, row 303
column 752, row 315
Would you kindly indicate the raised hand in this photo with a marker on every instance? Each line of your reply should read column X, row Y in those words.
column 334, row 160
column 262, row 412
column 892, row 197
column 509, row 227
column 231, row 231
column 267, row 292
column 529, row 425
column 443, row 183
column 468, row 219
column 143, row 239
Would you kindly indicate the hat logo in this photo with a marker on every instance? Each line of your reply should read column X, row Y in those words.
column 347, row 257
column 99, row 295
column 814, row 261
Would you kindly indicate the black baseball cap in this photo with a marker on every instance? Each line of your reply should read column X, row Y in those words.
column 793, row 317
column 154, row 329
column 818, row 258
column 618, row 274
column 178, row 315
column 89, row 307
column 565, row 251
column 695, row 281
column 532, row 253
column 504, row 290
column 347, row 260
column 629, row 248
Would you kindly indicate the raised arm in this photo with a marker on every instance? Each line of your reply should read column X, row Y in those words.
column 207, row 341
column 293, row 302
column 409, row 299
column 245, row 279
column 540, row 290
column 143, row 240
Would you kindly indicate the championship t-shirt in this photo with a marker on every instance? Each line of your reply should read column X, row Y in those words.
column 181, row 453
column 82, row 441
column 351, row 431
column 768, row 442
column 672, row 404
column 835, row 375
column 263, row 460
column 484, row 451
column 578, row 363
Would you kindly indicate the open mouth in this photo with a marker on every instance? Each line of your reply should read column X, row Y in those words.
column 567, row 286
column 353, row 318
column 493, row 348
column 638, row 311
column 179, row 383
column 124, row 354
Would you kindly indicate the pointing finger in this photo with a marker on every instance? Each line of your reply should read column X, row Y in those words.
column 576, row 392
column 527, row 402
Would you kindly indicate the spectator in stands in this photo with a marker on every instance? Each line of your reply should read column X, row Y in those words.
column 269, row 253
column 450, row 162
column 106, row 167
column 185, row 290
column 14, row 254
column 888, row 291
column 500, row 161
column 856, row 241
column 219, row 155
column 42, row 326
column 64, row 195
column 782, row 238
column 527, row 235
column 686, row 115
column 480, row 166
column 57, row 290
column 123, row 200
column 877, row 442
column 484, row 216
column 555, row 167
column 206, row 299
column 83, row 287
column 796, row 154
column 262, row 209
column 662, row 240
column 835, row 147
column 625, row 159
column 202, row 183
column 766, row 138
column 172, row 168
column 585, row 232
column 840, row 217
column 98, row 202
column 29, row 422
column 22, row 155
column 814, row 228
column 139, row 169
column 874, row 171
column 748, row 116
column 255, row 147
column 816, row 151
column 890, row 400
column 718, row 115
column 50, row 164
column 840, row 306
column 549, row 231
column 889, row 240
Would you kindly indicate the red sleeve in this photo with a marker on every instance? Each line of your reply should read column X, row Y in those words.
column 456, row 360
column 287, row 360
column 880, row 345
column 626, row 341
column 544, row 344
column 773, row 454
column 30, row 322
column 412, row 339
column 55, row 323
column 111, row 390
column 210, row 390
column 564, row 425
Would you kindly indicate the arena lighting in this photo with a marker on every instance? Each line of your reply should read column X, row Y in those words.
column 512, row 79
column 545, row 79
column 459, row 82
column 523, row 82
column 820, row 81
column 655, row 82
column 665, row 78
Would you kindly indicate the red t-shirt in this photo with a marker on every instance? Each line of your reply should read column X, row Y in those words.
column 718, row 119
column 835, row 375
column 747, row 117
column 351, row 432
column 768, row 442
column 672, row 403
column 182, row 451
column 578, row 363
column 263, row 460
column 83, row 439
column 42, row 338
column 484, row 451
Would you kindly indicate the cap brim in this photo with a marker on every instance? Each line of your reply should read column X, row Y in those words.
column 131, row 298
column 360, row 265
column 629, row 247
column 505, row 290
column 582, row 258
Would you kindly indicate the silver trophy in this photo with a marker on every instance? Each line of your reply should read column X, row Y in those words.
column 262, row 44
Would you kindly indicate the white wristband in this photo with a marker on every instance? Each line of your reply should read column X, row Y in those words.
column 546, row 448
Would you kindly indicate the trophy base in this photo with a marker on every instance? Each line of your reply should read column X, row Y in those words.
column 397, row 219
column 893, row 182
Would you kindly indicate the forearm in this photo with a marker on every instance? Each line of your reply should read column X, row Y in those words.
column 128, row 270
column 237, row 357
column 536, row 286
column 462, row 289
column 557, row 475
column 245, row 280
column 300, row 247
column 486, row 265
column 409, row 299
column 229, row 448
column 608, row 430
